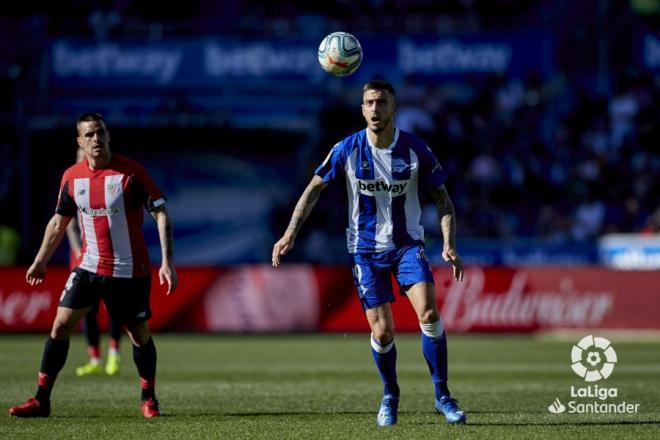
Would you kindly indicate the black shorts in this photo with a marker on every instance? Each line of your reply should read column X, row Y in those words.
column 127, row 299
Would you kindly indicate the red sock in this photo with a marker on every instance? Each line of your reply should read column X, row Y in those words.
column 46, row 380
column 148, row 388
column 45, row 387
column 94, row 352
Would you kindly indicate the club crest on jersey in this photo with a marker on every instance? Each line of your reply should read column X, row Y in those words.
column 365, row 165
column 113, row 188
column 373, row 187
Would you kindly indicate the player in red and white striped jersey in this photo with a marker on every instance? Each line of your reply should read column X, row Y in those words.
column 109, row 192
column 90, row 321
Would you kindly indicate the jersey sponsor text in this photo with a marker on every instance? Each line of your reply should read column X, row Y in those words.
column 370, row 187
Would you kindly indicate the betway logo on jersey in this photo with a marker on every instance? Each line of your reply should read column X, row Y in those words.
column 373, row 187
column 100, row 212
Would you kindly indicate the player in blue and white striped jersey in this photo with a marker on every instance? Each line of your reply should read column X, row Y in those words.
column 385, row 169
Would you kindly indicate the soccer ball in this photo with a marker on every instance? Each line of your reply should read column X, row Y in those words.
column 340, row 53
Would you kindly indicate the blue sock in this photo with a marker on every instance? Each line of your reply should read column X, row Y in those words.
column 434, row 349
column 385, row 358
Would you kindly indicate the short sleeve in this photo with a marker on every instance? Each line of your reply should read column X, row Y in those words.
column 66, row 203
column 145, row 189
column 333, row 165
column 432, row 173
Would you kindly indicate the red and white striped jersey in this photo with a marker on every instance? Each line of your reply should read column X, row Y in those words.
column 110, row 206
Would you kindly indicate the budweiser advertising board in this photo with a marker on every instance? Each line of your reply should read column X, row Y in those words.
column 258, row 298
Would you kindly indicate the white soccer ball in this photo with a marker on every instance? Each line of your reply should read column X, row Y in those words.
column 340, row 53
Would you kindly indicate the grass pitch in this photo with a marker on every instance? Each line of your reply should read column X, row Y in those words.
column 326, row 386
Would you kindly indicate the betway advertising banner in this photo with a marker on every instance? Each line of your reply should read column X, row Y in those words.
column 306, row 298
column 208, row 63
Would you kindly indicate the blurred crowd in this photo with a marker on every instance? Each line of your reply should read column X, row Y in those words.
column 564, row 158
column 534, row 159
column 528, row 158
column 118, row 18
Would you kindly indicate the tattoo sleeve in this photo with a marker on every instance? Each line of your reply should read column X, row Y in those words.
column 305, row 205
column 165, row 233
column 447, row 215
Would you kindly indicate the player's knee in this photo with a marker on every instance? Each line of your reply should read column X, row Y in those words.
column 139, row 334
column 429, row 316
column 61, row 330
column 383, row 336
column 140, row 339
column 434, row 330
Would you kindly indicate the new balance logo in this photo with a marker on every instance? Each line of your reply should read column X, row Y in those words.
column 369, row 187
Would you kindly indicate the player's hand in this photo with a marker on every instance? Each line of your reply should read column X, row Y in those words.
column 168, row 274
column 35, row 274
column 451, row 256
column 280, row 248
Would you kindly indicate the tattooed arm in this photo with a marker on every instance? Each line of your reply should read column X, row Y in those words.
column 167, row 271
column 303, row 208
column 448, row 226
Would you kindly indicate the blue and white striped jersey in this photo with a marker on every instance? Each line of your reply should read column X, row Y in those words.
column 383, row 187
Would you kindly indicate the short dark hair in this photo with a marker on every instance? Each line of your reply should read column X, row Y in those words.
column 88, row 117
column 379, row 84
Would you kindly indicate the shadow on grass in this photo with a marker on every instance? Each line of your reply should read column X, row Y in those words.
column 298, row 413
column 403, row 415
column 208, row 414
column 255, row 415
column 107, row 416
column 594, row 423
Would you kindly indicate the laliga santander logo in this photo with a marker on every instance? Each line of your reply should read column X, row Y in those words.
column 593, row 358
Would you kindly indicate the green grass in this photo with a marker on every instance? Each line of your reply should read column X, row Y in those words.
column 326, row 386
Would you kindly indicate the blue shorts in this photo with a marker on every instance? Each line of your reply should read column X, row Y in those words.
column 372, row 273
